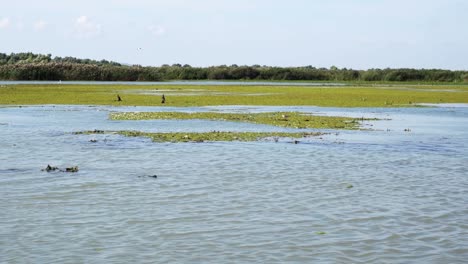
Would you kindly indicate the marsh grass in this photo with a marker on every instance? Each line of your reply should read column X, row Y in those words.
column 346, row 96
column 280, row 119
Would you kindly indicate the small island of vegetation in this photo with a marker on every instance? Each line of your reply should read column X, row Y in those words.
column 358, row 88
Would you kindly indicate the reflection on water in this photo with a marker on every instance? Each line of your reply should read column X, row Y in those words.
column 381, row 196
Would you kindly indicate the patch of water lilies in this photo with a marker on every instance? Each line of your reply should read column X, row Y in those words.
column 211, row 136
column 281, row 119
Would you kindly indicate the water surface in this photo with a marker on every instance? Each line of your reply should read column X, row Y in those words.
column 377, row 196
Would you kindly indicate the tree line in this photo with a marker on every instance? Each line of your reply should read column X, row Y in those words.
column 29, row 66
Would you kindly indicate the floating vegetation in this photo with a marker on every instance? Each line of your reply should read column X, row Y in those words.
column 53, row 168
column 72, row 169
column 281, row 119
column 351, row 95
column 50, row 168
column 321, row 233
column 96, row 131
column 211, row 136
column 148, row 176
column 215, row 136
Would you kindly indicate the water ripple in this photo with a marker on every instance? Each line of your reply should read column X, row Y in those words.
column 381, row 197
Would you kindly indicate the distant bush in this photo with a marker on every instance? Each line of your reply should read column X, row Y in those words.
column 29, row 66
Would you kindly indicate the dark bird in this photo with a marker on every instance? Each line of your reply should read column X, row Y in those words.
column 118, row 98
column 163, row 99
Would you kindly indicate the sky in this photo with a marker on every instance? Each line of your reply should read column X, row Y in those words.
column 358, row 34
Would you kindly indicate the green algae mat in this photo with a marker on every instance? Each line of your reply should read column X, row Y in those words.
column 351, row 95
column 280, row 119
column 394, row 95
column 211, row 136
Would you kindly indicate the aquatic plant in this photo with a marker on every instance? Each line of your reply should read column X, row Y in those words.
column 50, row 168
column 281, row 119
column 352, row 95
column 96, row 131
column 53, row 168
column 148, row 176
column 214, row 136
column 211, row 136
column 72, row 169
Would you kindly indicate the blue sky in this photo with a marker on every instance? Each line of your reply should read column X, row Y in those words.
column 357, row 34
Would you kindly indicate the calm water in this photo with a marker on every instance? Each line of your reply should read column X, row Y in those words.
column 229, row 202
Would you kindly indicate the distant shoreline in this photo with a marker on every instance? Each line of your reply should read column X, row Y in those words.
column 29, row 66
column 226, row 83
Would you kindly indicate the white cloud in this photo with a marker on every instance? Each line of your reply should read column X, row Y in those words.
column 39, row 25
column 157, row 30
column 4, row 22
column 85, row 28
